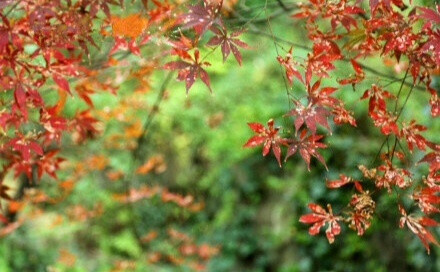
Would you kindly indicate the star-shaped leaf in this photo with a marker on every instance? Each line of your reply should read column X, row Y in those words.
column 189, row 71
column 228, row 43
column 268, row 137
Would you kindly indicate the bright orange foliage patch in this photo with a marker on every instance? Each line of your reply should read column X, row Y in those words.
column 131, row 26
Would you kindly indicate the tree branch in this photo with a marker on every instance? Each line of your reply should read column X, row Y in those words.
column 12, row 8
column 136, row 154
column 365, row 67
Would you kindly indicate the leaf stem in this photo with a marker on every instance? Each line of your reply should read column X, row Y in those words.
column 136, row 154
column 400, row 90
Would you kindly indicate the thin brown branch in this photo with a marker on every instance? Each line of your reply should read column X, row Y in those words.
column 136, row 154
column 152, row 114
column 12, row 8
column 365, row 67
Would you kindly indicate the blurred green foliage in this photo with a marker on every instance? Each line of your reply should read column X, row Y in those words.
column 252, row 206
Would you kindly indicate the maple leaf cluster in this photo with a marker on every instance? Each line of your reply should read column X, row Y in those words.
column 45, row 52
column 201, row 19
column 343, row 32
column 44, row 45
column 41, row 45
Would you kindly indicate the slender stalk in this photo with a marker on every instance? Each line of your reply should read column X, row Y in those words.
column 365, row 67
column 400, row 90
column 397, row 118
column 406, row 100
column 283, row 6
column 136, row 154
column 278, row 54
column 12, row 8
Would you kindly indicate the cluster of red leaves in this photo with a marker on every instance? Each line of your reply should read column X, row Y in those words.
column 384, row 31
column 320, row 105
column 201, row 19
column 319, row 218
column 61, row 33
column 44, row 47
column 58, row 33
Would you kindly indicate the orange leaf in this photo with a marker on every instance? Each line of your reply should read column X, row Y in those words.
column 67, row 258
column 67, row 185
column 156, row 162
column 98, row 162
column 149, row 237
column 115, row 175
column 10, row 228
column 15, row 206
column 131, row 26
column 61, row 101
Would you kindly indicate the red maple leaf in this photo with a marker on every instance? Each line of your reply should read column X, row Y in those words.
column 389, row 175
column 357, row 77
column 201, row 18
column 343, row 180
column 399, row 41
column 417, row 226
column 320, row 62
column 322, row 97
column 160, row 12
column 427, row 199
column 20, row 100
column 377, row 97
column 183, row 44
column 308, row 147
column 52, row 122
column 61, row 82
column 310, row 115
column 49, row 163
column 385, row 121
column 363, row 207
column 434, row 101
column 268, row 137
column 83, row 126
column 24, row 146
column 97, row 5
column 342, row 115
column 432, row 180
column 227, row 42
column 290, row 65
column 319, row 218
column 338, row 12
column 386, row 4
column 411, row 134
column 430, row 15
column 189, row 71
column 433, row 159
column 123, row 44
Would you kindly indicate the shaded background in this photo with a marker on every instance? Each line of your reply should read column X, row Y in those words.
column 251, row 206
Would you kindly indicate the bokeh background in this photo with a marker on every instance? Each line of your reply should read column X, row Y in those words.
column 249, row 206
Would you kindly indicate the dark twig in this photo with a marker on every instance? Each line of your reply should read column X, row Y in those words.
column 136, row 154
column 365, row 67
column 283, row 6
column 278, row 54
column 398, row 115
column 400, row 90
column 141, row 140
column 12, row 8
column 406, row 100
